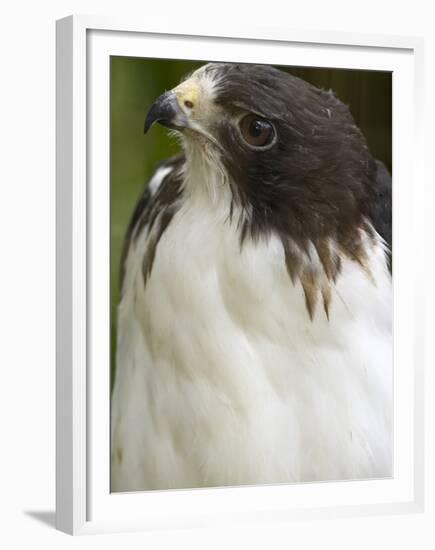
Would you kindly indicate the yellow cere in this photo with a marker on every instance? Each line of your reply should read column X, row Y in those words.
column 187, row 92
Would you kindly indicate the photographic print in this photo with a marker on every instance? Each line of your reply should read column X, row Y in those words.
column 251, row 274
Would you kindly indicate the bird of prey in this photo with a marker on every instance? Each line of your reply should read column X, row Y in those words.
column 254, row 325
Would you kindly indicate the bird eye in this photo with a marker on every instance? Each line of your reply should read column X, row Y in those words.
column 257, row 131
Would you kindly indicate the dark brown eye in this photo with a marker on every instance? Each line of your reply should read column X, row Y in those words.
column 257, row 131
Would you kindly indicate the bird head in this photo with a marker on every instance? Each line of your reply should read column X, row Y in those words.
column 294, row 159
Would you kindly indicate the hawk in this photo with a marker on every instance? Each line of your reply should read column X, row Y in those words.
column 254, row 325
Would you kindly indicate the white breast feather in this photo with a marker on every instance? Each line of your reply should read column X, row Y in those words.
column 223, row 379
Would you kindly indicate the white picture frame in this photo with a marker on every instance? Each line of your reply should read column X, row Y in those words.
column 83, row 500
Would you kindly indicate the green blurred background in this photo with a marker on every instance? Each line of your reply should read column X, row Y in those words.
column 136, row 82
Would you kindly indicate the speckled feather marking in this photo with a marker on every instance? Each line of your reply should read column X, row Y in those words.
column 154, row 211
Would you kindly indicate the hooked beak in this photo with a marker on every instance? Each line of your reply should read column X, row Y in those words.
column 167, row 112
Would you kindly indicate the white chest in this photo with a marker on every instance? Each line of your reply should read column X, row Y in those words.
column 223, row 378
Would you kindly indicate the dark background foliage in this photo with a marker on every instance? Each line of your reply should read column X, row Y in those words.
column 136, row 83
